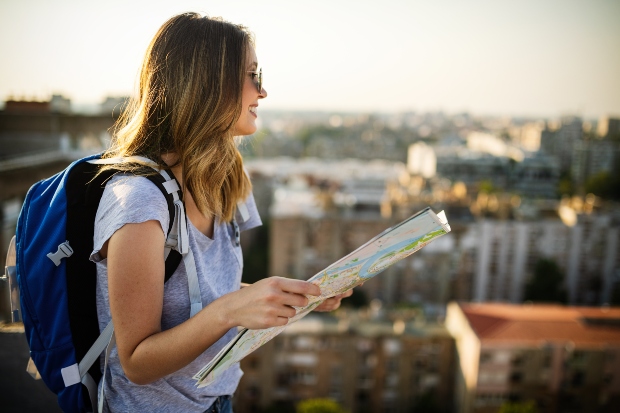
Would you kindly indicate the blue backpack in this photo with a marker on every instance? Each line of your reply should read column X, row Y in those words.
column 57, row 281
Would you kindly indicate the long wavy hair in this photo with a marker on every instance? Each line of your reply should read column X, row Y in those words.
column 188, row 101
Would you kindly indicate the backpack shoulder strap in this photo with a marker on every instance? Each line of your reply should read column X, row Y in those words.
column 169, row 188
column 166, row 182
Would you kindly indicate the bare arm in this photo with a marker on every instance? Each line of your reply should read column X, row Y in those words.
column 136, row 289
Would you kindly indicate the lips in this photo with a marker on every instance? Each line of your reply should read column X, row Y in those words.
column 253, row 110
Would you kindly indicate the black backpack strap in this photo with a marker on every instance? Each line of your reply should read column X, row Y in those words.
column 174, row 257
column 84, row 188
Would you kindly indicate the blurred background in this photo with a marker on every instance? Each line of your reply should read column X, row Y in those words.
column 506, row 115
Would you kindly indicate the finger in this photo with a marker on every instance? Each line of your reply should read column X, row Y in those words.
column 328, row 307
column 283, row 298
column 295, row 300
column 288, row 312
column 282, row 321
column 343, row 295
column 283, row 311
column 298, row 286
column 330, row 303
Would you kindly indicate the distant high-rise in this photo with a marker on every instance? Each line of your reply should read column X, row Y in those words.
column 505, row 253
column 609, row 127
column 569, row 133
column 559, row 142
column 60, row 104
column 114, row 105
column 591, row 157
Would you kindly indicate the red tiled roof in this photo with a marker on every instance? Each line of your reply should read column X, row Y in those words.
column 538, row 323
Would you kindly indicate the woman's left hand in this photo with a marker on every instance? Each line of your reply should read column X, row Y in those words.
column 333, row 303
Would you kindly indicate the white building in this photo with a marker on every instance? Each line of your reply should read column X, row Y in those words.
column 506, row 252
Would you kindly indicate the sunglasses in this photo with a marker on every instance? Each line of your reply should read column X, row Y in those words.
column 257, row 78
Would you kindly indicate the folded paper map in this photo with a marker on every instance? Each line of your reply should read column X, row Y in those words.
column 387, row 248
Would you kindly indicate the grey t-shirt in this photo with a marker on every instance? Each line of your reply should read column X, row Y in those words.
column 133, row 199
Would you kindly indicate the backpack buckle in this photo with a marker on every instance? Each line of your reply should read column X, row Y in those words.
column 64, row 251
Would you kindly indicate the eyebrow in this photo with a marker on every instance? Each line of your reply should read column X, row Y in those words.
column 254, row 65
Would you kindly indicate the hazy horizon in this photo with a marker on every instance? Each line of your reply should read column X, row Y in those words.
column 522, row 59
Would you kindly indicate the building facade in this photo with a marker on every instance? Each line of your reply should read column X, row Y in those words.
column 497, row 258
column 365, row 366
column 565, row 359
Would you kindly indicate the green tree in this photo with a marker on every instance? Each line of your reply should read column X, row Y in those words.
column 319, row 406
column 486, row 186
column 546, row 285
column 519, row 407
column 566, row 187
column 604, row 184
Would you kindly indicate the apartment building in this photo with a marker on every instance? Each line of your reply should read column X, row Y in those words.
column 504, row 253
column 566, row 359
column 364, row 365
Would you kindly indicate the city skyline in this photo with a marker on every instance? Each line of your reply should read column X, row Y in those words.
column 517, row 58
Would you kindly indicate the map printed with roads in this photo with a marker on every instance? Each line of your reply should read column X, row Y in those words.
column 387, row 248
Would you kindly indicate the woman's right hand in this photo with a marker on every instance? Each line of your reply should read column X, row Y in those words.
column 267, row 303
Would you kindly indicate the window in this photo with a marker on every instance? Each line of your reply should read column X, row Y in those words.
column 516, row 377
column 490, row 399
column 579, row 356
column 336, row 375
column 420, row 362
column 391, row 380
column 391, row 347
column 392, row 365
column 517, row 360
column 284, row 379
column 578, row 379
column 363, row 397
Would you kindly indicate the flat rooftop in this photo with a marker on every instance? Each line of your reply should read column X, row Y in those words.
column 540, row 323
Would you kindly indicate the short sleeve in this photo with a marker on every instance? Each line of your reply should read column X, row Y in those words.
column 127, row 199
column 254, row 218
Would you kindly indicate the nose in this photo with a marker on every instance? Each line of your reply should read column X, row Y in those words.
column 262, row 94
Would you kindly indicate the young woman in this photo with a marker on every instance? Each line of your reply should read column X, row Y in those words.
column 200, row 86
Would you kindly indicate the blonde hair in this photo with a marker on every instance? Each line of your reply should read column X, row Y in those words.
column 188, row 102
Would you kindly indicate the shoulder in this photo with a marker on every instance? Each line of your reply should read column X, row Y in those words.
column 127, row 188
column 129, row 199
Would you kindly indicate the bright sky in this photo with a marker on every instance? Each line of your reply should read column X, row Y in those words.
column 513, row 57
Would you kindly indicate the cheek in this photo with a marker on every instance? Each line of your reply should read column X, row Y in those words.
column 246, row 101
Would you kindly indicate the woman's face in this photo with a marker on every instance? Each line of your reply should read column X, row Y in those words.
column 246, row 124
